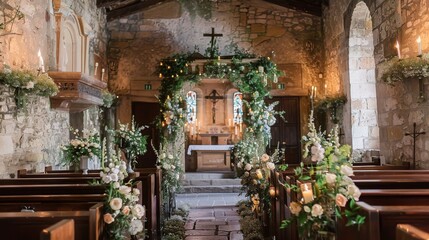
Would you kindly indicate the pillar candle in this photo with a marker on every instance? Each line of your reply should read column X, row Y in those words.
column 419, row 45
column 41, row 62
column 307, row 192
column 102, row 74
column 398, row 48
column 95, row 70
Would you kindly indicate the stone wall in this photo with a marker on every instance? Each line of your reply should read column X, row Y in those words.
column 30, row 138
column 398, row 106
column 140, row 41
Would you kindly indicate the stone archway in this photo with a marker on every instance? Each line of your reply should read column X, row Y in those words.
column 362, row 87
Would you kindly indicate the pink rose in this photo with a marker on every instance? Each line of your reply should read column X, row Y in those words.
column 340, row 200
column 126, row 210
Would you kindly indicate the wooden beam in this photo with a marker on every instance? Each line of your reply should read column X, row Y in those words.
column 130, row 9
column 313, row 7
column 105, row 3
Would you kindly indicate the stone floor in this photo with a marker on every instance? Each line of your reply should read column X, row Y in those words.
column 213, row 216
column 214, row 223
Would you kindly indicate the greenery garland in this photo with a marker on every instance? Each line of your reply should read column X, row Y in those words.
column 334, row 106
column 252, row 77
column 26, row 82
column 401, row 69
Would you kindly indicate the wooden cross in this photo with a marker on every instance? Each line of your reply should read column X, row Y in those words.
column 414, row 135
column 214, row 97
column 212, row 41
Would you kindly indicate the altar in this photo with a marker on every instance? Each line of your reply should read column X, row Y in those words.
column 210, row 157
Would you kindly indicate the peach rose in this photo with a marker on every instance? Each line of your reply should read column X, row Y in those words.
column 340, row 200
column 126, row 210
column 108, row 218
column 295, row 208
column 265, row 157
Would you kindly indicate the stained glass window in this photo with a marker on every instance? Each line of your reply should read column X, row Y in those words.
column 191, row 106
column 238, row 108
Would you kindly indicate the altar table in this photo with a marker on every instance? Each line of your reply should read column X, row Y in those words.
column 211, row 157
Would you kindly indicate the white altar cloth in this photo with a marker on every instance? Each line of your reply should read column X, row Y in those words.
column 209, row 147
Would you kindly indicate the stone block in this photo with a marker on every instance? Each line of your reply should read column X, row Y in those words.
column 7, row 146
column 34, row 157
column 371, row 144
column 122, row 35
column 260, row 40
column 398, row 119
column 394, row 133
column 368, row 118
column 363, row 90
column 229, row 228
column 416, row 116
column 357, row 143
column 360, row 131
column 390, row 104
column 168, row 10
column 243, row 19
column 275, row 31
column 257, row 28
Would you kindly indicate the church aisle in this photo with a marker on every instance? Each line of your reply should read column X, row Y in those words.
column 214, row 223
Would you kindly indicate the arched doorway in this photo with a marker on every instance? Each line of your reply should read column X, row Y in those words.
column 362, row 94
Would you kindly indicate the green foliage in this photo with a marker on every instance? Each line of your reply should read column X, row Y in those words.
column 109, row 99
column 174, row 229
column 402, row 69
column 86, row 143
column 25, row 83
column 131, row 140
column 334, row 105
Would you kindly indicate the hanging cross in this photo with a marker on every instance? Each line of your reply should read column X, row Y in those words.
column 214, row 97
column 212, row 41
column 414, row 135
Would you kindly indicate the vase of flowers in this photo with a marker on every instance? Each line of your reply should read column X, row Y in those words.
column 324, row 187
column 131, row 141
column 81, row 148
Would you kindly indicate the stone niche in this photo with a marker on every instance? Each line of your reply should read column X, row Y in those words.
column 78, row 90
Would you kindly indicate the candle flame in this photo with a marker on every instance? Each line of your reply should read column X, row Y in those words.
column 419, row 40
column 39, row 54
column 397, row 45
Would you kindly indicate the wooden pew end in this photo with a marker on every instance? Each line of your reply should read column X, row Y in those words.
column 62, row 230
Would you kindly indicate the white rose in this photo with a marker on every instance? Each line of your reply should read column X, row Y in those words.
column 162, row 156
column 116, row 203
column 248, row 167
column 346, row 181
column 295, row 208
column 114, row 177
column 346, row 170
column 124, row 190
column 307, row 209
column 340, row 200
column 138, row 211
column 316, row 210
column 136, row 191
column 106, row 179
column 265, row 157
column 330, row 178
column 353, row 191
column 170, row 156
column 116, row 185
column 136, row 226
column 271, row 166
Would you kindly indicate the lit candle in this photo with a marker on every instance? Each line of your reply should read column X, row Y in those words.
column 315, row 92
column 95, row 70
column 272, row 191
column 312, row 92
column 259, row 174
column 398, row 48
column 307, row 192
column 102, row 74
column 229, row 122
column 41, row 62
column 419, row 45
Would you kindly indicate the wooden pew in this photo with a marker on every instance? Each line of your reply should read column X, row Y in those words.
column 23, row 173
column 392, row 197
column 149, row 199
column 62, row 230
column 56, row 180
column 158, row 192
column 409, row 232
column 28, row 225
column 381, row 221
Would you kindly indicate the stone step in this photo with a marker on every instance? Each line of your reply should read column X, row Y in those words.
column 211, row 175
column 211, row 182
column 212, row 189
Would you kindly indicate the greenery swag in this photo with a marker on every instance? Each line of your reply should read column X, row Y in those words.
column 401, row 69
column 334, row 106
column 26, row 82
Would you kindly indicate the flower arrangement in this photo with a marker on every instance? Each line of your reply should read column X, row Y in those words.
column 334, row 105
column 109, row 99
column 174, row 227
column 402, row 69
column 122, row 214
column 26, row 82
column 171, row 167
column 85, row 144
column 324, row 188
column 131, row 140
column 250, row 226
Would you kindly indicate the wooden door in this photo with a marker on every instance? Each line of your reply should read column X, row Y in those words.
column 287, row 133
column 145, row 113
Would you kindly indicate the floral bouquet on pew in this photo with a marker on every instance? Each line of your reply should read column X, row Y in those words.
column 122, row 214
column 325, row 192
column 86, row 143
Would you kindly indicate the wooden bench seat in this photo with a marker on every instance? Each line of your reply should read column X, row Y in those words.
column 57, row 180
column 410, row 232
column 62, row 230
column 28, row 225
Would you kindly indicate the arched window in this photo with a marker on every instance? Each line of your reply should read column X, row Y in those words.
column 238, row 107
column 191, row 107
